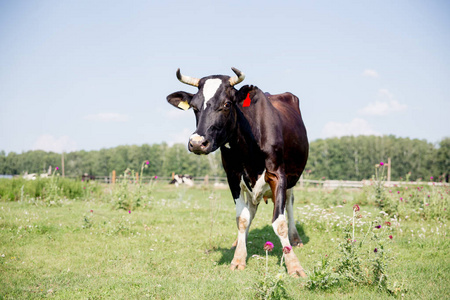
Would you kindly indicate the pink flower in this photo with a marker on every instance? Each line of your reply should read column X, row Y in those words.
column 356, row 207
column 381, row 163
column 375, row 250
column 268, row 246
column 287, row 249
column 378, row 226
column 156, row 177
column 401, row 199
column 92, row 211
column 387, row 223
column 129, row 211
column 57, row 168
column 431, row 178
column 426, row 204
column 391, row 237
column 147, row 162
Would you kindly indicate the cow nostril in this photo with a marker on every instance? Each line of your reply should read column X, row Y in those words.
column 205, row 144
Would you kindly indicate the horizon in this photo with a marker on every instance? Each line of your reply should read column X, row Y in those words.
column 436, row 144
column 89, row 76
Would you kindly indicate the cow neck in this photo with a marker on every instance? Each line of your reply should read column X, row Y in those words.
column 245, row 145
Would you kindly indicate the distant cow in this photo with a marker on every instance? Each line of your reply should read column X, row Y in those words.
column 182, row 179
column 86, row 177
column 264, row 149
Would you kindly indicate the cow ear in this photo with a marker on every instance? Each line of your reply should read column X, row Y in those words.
column 247, row 90
column 180, row 100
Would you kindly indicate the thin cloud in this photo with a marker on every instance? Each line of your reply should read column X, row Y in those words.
column 382, row 108
column 107, row 117
column 370, row 73
column 355, row 127
column 50, row 143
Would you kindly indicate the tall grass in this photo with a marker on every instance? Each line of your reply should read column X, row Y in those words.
column 176, row 244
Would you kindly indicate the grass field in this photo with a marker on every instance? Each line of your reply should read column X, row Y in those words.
column 176, row 245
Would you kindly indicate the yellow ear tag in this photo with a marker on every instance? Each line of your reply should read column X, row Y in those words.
column 183, row 105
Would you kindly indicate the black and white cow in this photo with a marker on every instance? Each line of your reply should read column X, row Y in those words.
column 264, row 149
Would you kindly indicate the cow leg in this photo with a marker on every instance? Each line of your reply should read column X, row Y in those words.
column 277, row 182
column 245, row 211
column 294, row 237
column 252, row 209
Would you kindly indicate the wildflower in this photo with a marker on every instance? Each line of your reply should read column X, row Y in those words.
column 92, row 211
column 268, row 246
column 57, row 168
column 378, row 226
column 147, row 162
column 356, row 207
column 401, row 199
column 375, row 250
column 391, row 237
column 287, row 249
column 398, row 192
column 387, row 223
column 129, row 211
column 431, row 178
column 426, row 204
column 156, row 177
column 381, row 163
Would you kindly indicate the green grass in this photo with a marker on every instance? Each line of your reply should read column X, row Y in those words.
column 176, row 245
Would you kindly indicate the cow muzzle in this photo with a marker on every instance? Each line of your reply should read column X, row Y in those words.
column 199, row 145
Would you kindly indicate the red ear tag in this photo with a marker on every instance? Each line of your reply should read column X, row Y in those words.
column 247, row 101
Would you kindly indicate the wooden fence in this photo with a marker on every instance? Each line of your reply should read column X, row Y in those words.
column 305, row 183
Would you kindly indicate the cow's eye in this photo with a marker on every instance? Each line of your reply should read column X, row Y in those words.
column 227, row 104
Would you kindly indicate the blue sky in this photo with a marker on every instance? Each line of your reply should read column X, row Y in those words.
column 86, row 75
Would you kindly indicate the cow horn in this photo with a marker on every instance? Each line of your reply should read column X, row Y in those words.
column 186, row 79
column 237, row 79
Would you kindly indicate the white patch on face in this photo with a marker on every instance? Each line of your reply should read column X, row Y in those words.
column 210, row 88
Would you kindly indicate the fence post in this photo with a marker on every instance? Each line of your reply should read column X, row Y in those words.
column 113, row 176
column 137, row 177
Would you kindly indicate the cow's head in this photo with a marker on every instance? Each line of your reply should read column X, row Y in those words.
column 214, row 106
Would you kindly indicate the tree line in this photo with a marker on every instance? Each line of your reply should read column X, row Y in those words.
column 345, row 158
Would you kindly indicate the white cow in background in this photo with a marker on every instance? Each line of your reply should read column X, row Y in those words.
column 182, row 179
column 33, row 176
